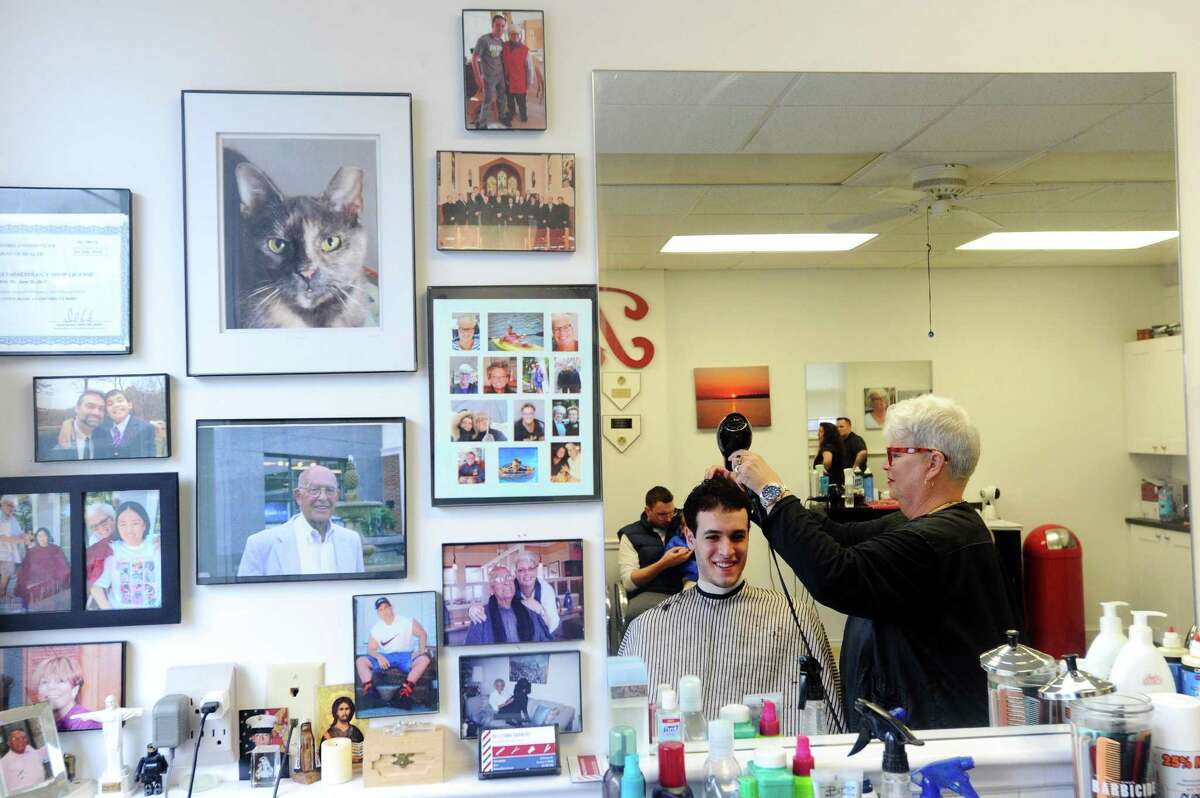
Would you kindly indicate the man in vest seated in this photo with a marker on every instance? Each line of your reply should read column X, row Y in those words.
column 650, row 570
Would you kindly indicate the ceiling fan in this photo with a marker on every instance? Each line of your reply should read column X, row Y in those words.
column 939, row 190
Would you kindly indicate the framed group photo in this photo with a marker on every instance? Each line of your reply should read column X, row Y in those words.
column 502, row 691
column 504, row 69
column 514, row 394
column 118, row 417
column 298, row 216
column 505, row 201
column 72, row 678
column 262, row 485
column 83, row 551
column 527, row 591
column 395, row 654
column 66, row 271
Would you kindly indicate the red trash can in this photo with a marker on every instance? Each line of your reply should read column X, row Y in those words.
column 1054, row 591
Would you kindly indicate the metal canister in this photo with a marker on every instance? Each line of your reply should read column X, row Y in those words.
column 1015, row 675
column 1068, row 687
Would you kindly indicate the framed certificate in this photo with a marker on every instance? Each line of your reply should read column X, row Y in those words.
column 514, row 394
column 66, row 285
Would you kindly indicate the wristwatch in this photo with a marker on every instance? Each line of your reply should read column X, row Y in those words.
column 770, row 493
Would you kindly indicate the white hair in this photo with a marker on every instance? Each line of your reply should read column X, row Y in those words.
column 5, row 499
column 935, row 422
column 100, row 507
column 526, row 555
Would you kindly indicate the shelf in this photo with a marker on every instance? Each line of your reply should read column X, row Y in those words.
column 1174, row 526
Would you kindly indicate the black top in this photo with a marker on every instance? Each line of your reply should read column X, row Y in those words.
column 650, row 544
column 836, row 475
column 852, row 444
column 926, row 598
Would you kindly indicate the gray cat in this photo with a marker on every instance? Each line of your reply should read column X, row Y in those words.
column 302, row 258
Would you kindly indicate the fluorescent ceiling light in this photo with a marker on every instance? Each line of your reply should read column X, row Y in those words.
column 773, row 242
column 1078, row 239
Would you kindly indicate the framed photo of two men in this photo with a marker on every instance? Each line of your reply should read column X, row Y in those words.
column 105, row 417
column 298, row 232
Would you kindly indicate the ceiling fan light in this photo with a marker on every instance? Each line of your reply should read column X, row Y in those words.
column 766, row 242
column 1070, row 240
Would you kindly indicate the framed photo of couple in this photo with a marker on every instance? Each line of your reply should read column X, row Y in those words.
column 514, row 394
column 298, row 232
column 87, row 551
column 118, row 417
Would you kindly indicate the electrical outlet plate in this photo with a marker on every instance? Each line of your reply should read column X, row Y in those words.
column 294, row 685
column 220, row 734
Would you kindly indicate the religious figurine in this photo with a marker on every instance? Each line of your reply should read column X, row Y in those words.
column 150, row 770
column 307, row 773
column 115, row 778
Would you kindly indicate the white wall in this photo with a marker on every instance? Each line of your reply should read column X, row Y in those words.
column 92, row 99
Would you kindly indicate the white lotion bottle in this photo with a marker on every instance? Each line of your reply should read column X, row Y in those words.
column 1139, row 668
column 1108, row 644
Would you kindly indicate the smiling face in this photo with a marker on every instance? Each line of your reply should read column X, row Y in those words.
column 100, row 525
column 466, row 333
column 721, row 545
column 527, row 414
column 466, row 424
column 317, row 495
column 58, row 691
column 573, row 415
column 18, row 741
column 526, row 574
column 131, row 528
column 118, row 407
column 503, row 586
column 89, row 411
column 498, row 378
column 563, row 327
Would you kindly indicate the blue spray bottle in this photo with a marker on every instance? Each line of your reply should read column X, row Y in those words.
column 946, row 774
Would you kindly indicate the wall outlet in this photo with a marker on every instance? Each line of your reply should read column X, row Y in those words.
column 294, row 685
column 197, row 682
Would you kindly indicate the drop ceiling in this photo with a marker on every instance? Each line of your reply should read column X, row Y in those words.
column 717, row 152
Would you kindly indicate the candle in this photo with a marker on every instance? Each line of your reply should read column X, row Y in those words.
column 335, row 761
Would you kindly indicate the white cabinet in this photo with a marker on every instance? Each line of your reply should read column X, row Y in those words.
column 1162, row 570
column 1154, row 396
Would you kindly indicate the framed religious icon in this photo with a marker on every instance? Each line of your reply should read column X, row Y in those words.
column 298, row 232
column 82, row 551
column 504, row 69
column 66, row 284
column 514, row 394
column 31, row 758
column 300, row 500
column 105, row 417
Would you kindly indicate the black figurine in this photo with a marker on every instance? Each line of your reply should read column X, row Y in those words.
column 150, row 770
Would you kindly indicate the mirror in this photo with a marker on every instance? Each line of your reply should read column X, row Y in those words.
column 1040, row 346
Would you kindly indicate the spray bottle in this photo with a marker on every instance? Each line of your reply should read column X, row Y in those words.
column 889, row 728
column 633, row 783
column 1173, row 651
column 946, row 774
column 622, row 740
column 1139, row 668
column 1110, row 641
column 768, row 721
column 814, row 713
column 802, row 768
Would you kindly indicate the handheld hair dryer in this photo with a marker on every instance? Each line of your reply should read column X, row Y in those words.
column 733, row 434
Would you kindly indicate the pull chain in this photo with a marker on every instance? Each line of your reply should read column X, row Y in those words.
column 929, row 270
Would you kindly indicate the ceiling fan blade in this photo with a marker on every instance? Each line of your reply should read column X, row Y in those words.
column 899, row 196
column 968, row 197
column 863, row 221
column 975, row 218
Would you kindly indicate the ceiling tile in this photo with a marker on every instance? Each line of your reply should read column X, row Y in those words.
column 854, row 258
column 689, row 88
column 1156, row 255
column 1128, row 196
column 642, row 200
column 1070, row 89
column 763, row 199
column 741, row 169
column 629, row 245
column 638, row 225
column 1095, row 167
column 675, row 129
column 842, row 89
column 1015, row 127
column 837, row 130
column 1141, row 128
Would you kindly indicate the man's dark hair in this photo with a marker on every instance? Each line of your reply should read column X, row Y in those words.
column 116, row 392
column 93, row 392
column 501, row 18
column 848, row 421
column 713, row 494
column 658, row 494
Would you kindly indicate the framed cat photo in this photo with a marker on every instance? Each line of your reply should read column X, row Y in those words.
column 514, row 393
column 298, row 232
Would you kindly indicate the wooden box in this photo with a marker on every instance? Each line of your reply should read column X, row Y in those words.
column 403, row 754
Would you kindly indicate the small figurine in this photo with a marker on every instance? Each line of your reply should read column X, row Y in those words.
column 115, row 778
column 150, row 770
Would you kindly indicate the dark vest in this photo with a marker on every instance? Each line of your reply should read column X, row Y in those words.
column 650, row 548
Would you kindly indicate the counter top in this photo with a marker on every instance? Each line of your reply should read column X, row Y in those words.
column 1174, row 526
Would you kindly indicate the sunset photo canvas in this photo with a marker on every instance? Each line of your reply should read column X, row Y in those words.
column 742, row 389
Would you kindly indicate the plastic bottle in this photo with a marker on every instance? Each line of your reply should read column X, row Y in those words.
column 739, row 716
column 668, row 723
column 691, row 706
column 771, row 772
column 802, row 766
column 868, row 484
column 848, row 487
column 1176, row 744
column 747, row 787
column 1190, row 667
column 633, row 783
column 721, row 769
column 1104, row 649
column 1166, row 502
column 1139, row 668
column 814, row 711
column 768, row 721
column 622, row 740
column 814, row 482
column 672, row 774
column 1173, row 651
column 888, row 727
column 822, row 482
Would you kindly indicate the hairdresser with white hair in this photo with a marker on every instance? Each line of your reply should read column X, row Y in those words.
column 922, row 587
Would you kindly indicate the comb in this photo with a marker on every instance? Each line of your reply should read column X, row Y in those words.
column 1108, row 762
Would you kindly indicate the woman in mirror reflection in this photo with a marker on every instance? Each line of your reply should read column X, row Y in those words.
column 923, row 587
column 829, row 453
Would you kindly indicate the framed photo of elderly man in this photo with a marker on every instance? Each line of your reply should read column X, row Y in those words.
column 31, row 759
column 395, row 654
column 501, row 691
column 98, row 550
column 520, row 591
column 289, row 500
column 504, row 69
column 118, row 417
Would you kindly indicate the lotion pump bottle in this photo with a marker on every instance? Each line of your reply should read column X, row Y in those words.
column 1104, row 649
column 691, row 706
column 1139, row 668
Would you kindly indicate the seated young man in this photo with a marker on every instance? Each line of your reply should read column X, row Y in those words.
column 738, row 639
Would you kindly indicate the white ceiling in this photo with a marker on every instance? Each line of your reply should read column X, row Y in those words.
column 684, row 152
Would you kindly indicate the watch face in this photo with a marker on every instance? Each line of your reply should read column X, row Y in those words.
column 771, row 492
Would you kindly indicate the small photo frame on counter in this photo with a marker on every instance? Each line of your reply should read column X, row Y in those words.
column 531, row 751
column 29, row 741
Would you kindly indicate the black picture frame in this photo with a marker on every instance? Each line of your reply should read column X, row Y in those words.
column 204, row 475
column 78, row 486
column 378, row 706
column 589, row 357
column 469, row 660
column 51, row 201
column 388, row 355
column 123, row 647
column 467, row 46
column 37, row 447
column 579, row 610
column 504, row 161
